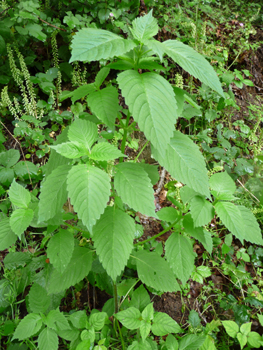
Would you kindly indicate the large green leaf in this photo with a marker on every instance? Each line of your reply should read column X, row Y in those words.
column 78, row 267
column 202, row 211
column 89, row 191
column 53, row 193
column 90, row 44
column 155, row 272
column 151, row 101
column 20, row 220
column 164, row 324
column 251, row 226
column 193, row 63
column 105, row 105
column 48, row 339
column 19, row 196
column 185, row 163
column 38, row 304
column 134, row 187
column 180, row 255
column 144, row 27
column 83, row 131
column 113, row 239
column 7, row 236
column 231, row 218
column 28, row 326
column 105, row 151
column 60, row 249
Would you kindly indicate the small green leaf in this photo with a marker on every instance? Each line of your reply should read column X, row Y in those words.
column 97, row 320
column 9, row 158
column 202, row 211
column 254, row 340
column 60, row 249
column 105, row 151
column 180, row 256
column 164, row 324
column 28, row 326
column 191, row 342
column 7, row 236
column 89, row 191
column 134, row 187
column 84, row 132
column 71, row 150
column 155, row 272
column 38, row 304
column 145, row 328
column 101, row 76
column 222, row 183
column 79, row 319
column 57, row 321
column 48, row 339
column 20, row 220
column 171, row 342
column 251, row 226
column 90, row 44
column 130, row 318
column 81, row 92
column 168, row 214
column 144, row 27
column 19, row 196
column 140, row 298
column 152, row 171
column 242, row 339
column 113, row 239
column 246, row 328
column 231, row 328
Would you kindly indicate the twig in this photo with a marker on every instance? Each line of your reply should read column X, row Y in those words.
column 5, row 10
column 199, row 312
column 248, row 191
column 160, row 184
column 52, row 25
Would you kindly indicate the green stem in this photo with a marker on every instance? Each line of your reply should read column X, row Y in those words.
column 119, row 329
column 123, row 142
column 115, row 295
column 138, row 155
column 160, row 233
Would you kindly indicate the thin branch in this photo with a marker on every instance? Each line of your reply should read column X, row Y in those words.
column 52, row 25
column 160, row 184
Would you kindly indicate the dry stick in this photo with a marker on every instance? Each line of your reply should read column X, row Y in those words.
column 248, row 191
column 21, row 151
column 160, row 185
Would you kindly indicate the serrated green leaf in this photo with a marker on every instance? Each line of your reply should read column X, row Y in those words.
column 71, row 150
column 101, row 76
column 6, row 176
column 145, row 328
column 97, row 320
column 140, row 298
column 60, row 249
column 152, row 103
column 9, row 158
column 134, row 187
column 180, row 255
column 231, row 218
column 84, row 132
column 105, row 105
column 198, row 233
column 152, row 171
column 202, row 211
column 19, row 196
column 187, row 193
column 171, row 342
column 222, row 183
column 157, row 47
column 7, row 236
column 168, row 214
column 231, row 328
column 79, row 319
column 24, row 168
column 191, row 342
column 130, row 318
column 185, row 163
column 20, row 220
column 28, row 326
column 251, row 226
column 164, row 324
column 53, row 193
column 155, row 272
column 78, row 267
column 194, row 63
column 48, row 339
column 105, row 151
column 82, row 91
column 55, row 159
column 144, row 27
column 15, row 259
column 38, row 299
column 113, row 239
column 89, row 191
column 90, row 44
column 57, row 321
